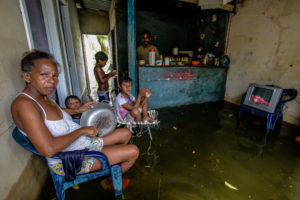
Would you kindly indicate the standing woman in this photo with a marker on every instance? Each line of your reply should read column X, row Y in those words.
column 51, row 130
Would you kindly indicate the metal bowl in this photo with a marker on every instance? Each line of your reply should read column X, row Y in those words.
column 102, row 116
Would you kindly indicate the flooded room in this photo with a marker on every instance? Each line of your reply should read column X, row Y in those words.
column 150, row 100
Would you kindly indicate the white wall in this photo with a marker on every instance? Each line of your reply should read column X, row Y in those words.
column 13, row 159
column 264, row 47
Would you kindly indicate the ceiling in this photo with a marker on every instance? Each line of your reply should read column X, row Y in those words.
column 104, row 5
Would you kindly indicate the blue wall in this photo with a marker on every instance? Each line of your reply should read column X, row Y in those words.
column 174, row 86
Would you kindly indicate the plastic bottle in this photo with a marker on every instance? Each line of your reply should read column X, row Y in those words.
column 161, row 57
column 167, row 61
column 152, row 57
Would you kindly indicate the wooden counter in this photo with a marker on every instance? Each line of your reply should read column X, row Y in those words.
column 182, row 85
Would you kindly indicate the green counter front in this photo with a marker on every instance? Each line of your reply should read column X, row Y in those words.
column 182, row 85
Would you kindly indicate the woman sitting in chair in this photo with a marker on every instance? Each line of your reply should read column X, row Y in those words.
column 51, row 130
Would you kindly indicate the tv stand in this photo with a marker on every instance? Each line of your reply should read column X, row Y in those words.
column 272, row 118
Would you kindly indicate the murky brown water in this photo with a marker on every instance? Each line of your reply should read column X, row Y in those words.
column 197, row 149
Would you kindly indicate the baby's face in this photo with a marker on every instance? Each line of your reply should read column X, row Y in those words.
column 73, row 103
column 126, row 87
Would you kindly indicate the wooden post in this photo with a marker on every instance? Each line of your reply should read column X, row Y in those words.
column 131, row 44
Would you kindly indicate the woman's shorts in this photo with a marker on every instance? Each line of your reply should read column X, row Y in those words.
column 96, row 144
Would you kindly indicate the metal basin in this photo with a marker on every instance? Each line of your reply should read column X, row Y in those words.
column 102, row 116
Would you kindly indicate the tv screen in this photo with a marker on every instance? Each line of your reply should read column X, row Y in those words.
column 263, row 97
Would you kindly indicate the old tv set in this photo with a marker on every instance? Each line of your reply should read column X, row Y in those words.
column 263, row 97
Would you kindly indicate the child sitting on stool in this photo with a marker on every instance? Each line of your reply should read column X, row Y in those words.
column 126, row 105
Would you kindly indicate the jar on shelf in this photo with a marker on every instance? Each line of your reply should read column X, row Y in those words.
column 167, row 61
column 152, row 57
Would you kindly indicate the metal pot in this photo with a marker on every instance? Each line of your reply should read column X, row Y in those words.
column 102, row 116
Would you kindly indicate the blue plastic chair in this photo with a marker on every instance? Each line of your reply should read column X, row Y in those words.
column 59, row 181
column 272, row 118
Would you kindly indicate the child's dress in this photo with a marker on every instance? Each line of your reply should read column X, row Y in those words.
column 120, row 100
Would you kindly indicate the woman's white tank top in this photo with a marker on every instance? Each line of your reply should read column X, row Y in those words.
column 62, row 127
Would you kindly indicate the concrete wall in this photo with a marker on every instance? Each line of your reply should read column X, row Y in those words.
column 264, row 47
column 14, row 161
column 93, row 22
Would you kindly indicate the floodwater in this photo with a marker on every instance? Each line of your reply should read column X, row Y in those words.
column 199, row 148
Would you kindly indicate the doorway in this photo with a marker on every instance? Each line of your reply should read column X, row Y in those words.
column 91, row 45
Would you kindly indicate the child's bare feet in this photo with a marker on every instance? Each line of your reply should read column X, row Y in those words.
column 148, row 119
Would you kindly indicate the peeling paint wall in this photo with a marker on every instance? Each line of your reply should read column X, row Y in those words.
column 13, row 159
column 176, row 86
column 264, row 48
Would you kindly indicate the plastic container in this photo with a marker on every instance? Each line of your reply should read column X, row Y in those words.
column 167, row 61
column 152, row 57
column 159, row 62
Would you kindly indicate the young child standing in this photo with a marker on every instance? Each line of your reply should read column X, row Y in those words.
column 126, row 104
column 101, row 77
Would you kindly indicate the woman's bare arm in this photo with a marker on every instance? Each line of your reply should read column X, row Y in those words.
column 29, row 118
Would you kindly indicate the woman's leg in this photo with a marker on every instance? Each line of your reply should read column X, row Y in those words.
column 117, row 150
column 118, row 136
column 126, row 155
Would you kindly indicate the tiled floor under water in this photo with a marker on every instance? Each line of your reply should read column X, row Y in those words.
column 199, row 148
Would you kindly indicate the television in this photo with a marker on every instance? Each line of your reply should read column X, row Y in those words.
column 263, row 97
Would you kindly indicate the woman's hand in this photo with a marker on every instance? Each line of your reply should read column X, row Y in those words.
column 90, row 131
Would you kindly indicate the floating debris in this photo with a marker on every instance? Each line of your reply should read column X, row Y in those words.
column 75, row 187
column 174, row 127
column 230, row 186
column 158, row 191
column 147, row 166
column 257, row 123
